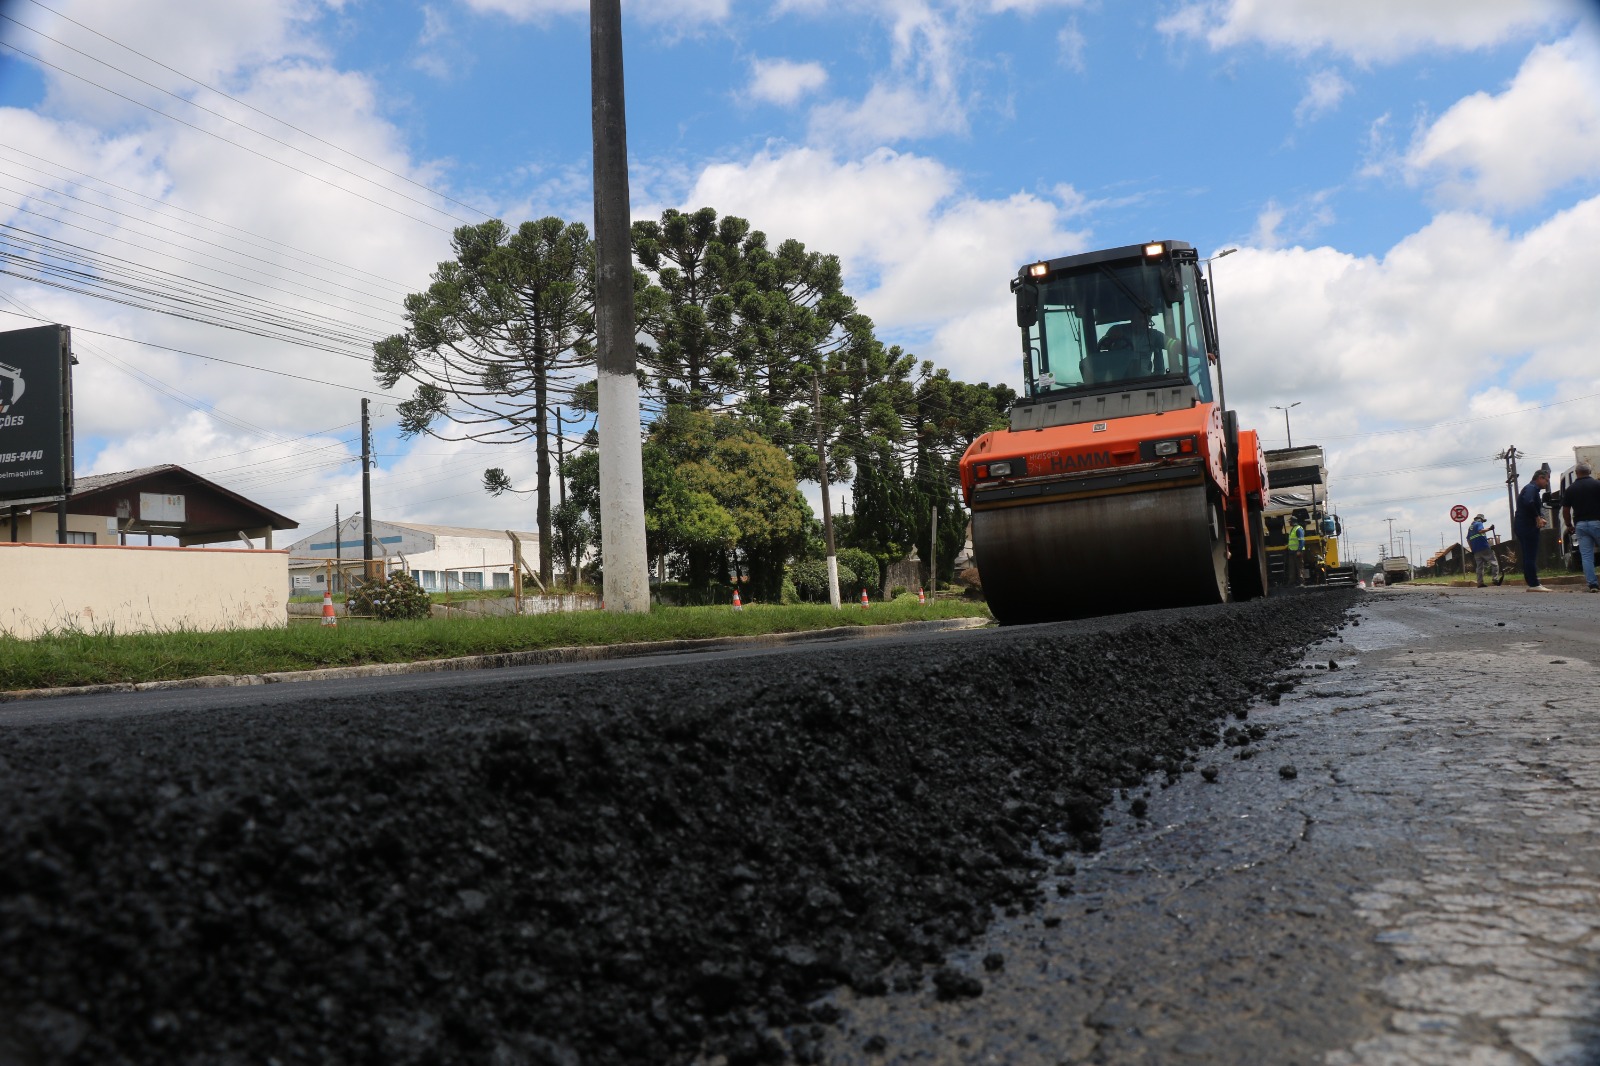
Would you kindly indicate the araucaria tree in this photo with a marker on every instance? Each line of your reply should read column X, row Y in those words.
column 495, row 341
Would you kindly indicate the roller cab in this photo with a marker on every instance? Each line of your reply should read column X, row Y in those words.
column 1122, row 482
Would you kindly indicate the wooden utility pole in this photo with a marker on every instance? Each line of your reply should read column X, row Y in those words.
column 622, row 542
column 366, row 491
column 822, row 479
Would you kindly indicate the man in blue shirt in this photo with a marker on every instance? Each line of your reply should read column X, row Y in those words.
column 1482, row 550
column 1529, row 520
column 1580, row 503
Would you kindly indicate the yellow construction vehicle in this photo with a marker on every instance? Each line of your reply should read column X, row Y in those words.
column 1300, row 491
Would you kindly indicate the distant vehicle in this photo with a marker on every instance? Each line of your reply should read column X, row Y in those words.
column 1298, row 488
column 1395, row 569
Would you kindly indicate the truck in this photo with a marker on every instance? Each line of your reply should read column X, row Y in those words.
column 1299, row 478
column 1123, row 481
column 1566, row 536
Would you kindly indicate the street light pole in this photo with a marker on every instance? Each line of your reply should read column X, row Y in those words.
column 1285, row 411
column 622, row 542
column 1211, row 296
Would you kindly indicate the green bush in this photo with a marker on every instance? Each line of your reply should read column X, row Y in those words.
column 864, row 571
column 810, row 578
column 390, row 598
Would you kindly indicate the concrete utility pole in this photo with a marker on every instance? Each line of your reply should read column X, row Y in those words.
column 822, row 479
column 366, row 491
column 1391, row 535
column 1511, row 455
column 627, row 577
column 338, row 553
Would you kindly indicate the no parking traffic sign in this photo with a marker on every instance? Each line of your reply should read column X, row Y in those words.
column 1458, row 513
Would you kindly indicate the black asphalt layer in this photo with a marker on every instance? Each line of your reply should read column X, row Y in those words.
column 609, row 867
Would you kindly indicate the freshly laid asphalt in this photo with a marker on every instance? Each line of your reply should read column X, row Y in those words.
column 1421, row 887
column 1263, row 833
column 636, row 864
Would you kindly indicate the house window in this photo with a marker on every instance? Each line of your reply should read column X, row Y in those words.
column 80, row 538
column 502, row 581
column 474, row 579
column 429, row 579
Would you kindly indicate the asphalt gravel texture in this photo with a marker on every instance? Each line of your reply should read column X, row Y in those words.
column 668, row 864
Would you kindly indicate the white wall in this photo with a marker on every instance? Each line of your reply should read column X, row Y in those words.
column 50, row 587
column 482, row 555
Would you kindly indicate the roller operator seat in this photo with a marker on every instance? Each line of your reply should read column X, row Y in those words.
column 1126, row 352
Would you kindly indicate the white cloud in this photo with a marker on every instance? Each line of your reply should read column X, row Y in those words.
column 784, row 81
column 217, row 40
column 1324, row 90
column 315, row 250
column 1071, row 45
column 887, row 114
column 1268, row 219
column 1511, row 149
column 1366, row 30
column 1458, row 320
column 439, row 55
column 927, row 260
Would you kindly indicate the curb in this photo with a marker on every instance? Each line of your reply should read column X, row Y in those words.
column 500, row 660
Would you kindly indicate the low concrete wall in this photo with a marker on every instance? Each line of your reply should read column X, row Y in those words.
column 105, row 588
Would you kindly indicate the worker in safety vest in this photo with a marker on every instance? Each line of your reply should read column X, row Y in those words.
column 1297, row 552
column 1482, row 552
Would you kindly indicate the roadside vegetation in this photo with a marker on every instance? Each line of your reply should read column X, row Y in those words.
column 758, row 371
column 88, row 659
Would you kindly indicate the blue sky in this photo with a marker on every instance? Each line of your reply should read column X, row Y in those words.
column 1412, row 188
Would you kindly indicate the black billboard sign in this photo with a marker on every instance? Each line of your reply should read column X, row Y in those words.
column 35, row 414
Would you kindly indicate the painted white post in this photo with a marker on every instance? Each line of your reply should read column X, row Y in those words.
column 627, row 567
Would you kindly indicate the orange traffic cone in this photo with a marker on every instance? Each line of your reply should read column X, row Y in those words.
column 328, row 617
column 737, row 606
column 922, row 599
column 864, row 600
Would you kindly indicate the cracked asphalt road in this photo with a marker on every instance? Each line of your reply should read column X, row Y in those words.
column 1404, row 870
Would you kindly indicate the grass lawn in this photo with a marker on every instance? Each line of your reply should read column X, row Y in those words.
column 88, row 659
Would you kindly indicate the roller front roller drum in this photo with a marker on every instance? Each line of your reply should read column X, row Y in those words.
column 1075, row 558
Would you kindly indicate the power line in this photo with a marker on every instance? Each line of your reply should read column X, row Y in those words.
column 148, row 281
column 257, row 110
column 233, row 121
column 212, row 358
column 45, row 195
column 396, row 285
column 225, row 140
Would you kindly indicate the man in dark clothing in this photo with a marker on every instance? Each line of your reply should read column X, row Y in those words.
column 1529, row 520
column 1580, row 505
